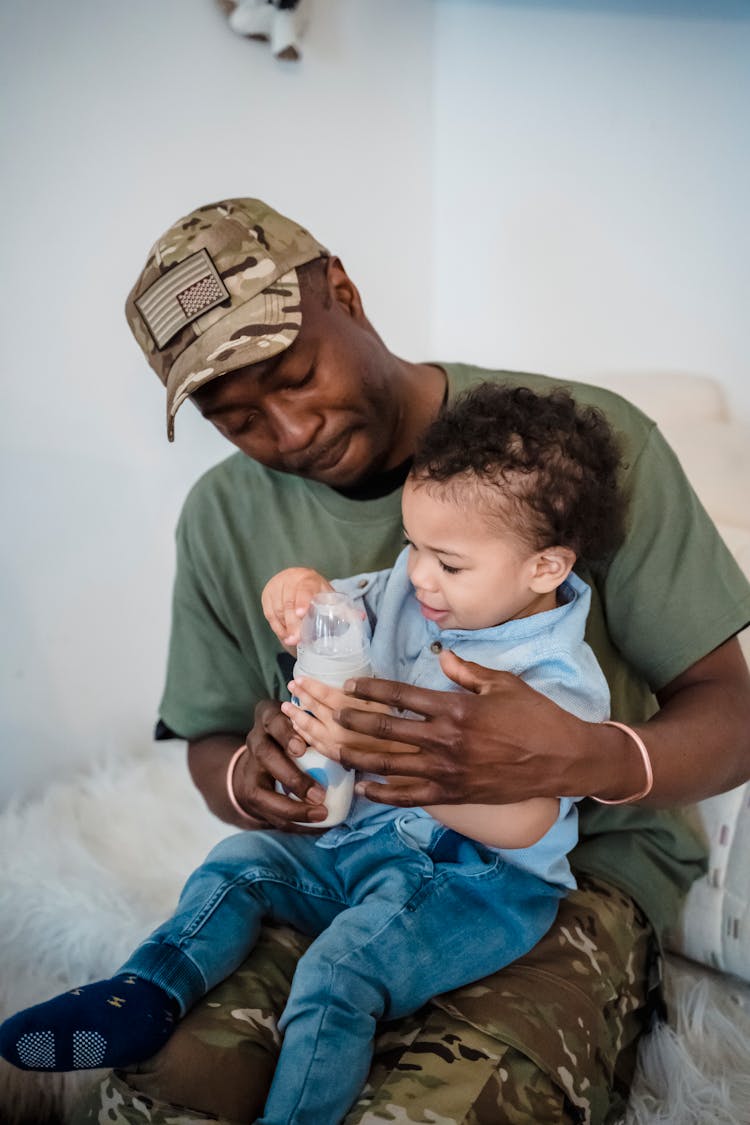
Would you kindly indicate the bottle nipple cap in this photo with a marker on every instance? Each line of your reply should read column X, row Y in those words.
column 332, row 626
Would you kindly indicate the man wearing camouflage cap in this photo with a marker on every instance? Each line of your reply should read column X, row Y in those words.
column 242, row 311
column 216, row 295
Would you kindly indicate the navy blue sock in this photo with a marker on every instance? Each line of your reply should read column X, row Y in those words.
column 108, row 1023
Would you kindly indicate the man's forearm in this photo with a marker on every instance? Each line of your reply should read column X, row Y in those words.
column 208, row 759
column 501, row 741
column 699, row 742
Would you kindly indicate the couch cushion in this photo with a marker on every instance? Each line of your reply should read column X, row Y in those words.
column 714, row 925
column 669, row 397
column 716, row 458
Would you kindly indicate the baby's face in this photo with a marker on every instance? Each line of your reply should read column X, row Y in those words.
column 466, row 573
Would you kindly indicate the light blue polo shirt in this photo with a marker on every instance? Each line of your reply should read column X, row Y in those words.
column 546, row 650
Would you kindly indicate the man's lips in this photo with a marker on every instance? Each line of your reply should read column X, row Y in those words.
column 321, row 459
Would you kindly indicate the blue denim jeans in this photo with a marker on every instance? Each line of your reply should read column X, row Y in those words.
column 396, row 925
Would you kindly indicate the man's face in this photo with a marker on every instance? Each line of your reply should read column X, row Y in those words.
column 326, row 409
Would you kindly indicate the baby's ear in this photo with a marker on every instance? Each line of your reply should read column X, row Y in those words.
column 551, row 567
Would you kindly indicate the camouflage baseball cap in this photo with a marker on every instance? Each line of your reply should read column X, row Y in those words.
column 219, row 290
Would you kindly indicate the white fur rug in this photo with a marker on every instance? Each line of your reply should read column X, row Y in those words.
column 97, row 862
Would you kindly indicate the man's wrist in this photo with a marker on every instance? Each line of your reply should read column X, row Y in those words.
column 245, row 817
column 208, row 762
column 648, row 773
column 624, row 765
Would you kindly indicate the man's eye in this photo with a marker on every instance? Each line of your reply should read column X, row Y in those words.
column 295, row 383
column 240, row 427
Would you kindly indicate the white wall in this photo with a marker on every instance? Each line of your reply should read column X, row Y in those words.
column 561, row 187
column 118, row 118
column 592, row 175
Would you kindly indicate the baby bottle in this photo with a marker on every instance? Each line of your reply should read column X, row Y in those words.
column 333, row 648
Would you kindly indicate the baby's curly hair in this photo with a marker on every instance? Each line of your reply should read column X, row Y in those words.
column 554, row 462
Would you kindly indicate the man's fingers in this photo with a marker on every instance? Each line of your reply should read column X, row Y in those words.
column 279, row 730
column 279, row 808
column 298, row 782
column 384, row 725
column 404, row 792
column 427, row 701
column 270, row 749
column 472, row 677
column 410, row 763
column 255, row 791
column 281, row 811
column 311, row 693
column 400, row 696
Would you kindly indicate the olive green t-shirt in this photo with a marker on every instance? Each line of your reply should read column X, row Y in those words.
column 671, row 594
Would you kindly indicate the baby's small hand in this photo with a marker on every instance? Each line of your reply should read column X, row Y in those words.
column 285, row 600
column 313, row 717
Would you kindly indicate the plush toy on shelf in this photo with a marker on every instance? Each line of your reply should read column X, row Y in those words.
column 274, row 21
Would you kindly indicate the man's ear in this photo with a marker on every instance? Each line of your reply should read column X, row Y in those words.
column 342, row 290
column 550, row 568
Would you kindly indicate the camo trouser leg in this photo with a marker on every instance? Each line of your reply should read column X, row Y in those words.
column 550, row 1040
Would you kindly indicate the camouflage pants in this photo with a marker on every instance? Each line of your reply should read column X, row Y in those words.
column 549, row 1039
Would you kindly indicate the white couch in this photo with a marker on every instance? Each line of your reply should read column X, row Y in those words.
column 96, row 862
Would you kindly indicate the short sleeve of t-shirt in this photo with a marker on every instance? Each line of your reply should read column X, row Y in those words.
column 212, row 683
column 673, row 592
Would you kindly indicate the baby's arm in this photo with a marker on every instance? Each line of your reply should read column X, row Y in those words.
column 500, row 826
column 285, row 600
column 573, row 679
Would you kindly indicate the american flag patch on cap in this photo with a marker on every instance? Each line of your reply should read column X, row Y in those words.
column 187, row 290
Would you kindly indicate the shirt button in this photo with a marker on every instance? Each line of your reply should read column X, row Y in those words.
column 362, row 583
column 436, row 647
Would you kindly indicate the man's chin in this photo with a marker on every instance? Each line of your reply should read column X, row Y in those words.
column 350, row 478
column 349, row 468
column 350, row 464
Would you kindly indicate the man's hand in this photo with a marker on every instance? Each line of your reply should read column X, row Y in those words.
column 269, row 746
column 500, row 741
column 285, row 600
column 497, row 742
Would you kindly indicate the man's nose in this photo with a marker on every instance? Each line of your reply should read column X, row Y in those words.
column 293, row 430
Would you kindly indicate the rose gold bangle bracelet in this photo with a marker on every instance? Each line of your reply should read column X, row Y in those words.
column 230, row 785
column 646, row 764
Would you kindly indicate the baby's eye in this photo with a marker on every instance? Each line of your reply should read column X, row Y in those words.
column 449, row 569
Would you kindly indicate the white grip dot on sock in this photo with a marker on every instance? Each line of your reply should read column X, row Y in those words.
column 88, row 1049
column 36, row 1049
